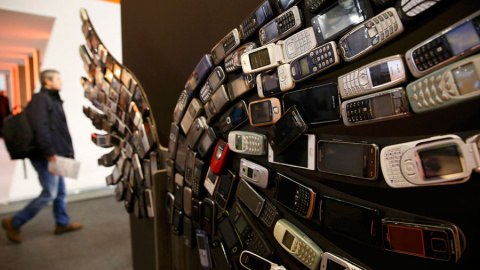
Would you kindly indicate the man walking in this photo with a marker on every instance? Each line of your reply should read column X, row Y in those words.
column 47, row 118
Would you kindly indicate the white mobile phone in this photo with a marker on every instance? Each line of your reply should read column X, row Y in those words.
column 211, row 181
column 298, row 44
column 301, row 154
column 263, row 58
column 246, row 142
column 272, row 82
column 379, row 75
column 331, row 261
column 254, row 173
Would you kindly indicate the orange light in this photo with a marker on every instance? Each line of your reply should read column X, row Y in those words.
column 112, row 1
column 28, row 80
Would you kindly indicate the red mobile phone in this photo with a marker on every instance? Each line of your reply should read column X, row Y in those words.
column 219, row 158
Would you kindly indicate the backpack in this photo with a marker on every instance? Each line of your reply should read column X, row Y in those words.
column 19, row 136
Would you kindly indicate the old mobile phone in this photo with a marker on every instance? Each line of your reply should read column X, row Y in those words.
column 362, row 159
column 297, row 243
column 188, row 239
column 220, row 257
column 229, row 233
column 318, row 104
column 240, row 85
column 295, row 196
column 149, row 203
column 314, row 62
column 274, row 81
column 199, row 74
column 209, row 214
column 286, row 130
column 193, row 111
column 332, row 261
column 102, row 140
column 187, row 200
column 250, row 197
column 134, row 115
column 169, row 201
column 226, row 184
column 170, row 168
column 283, row 25
column 263, row 58
column 298, row 44
column 211, row 181
column 181, row 157
column 447, row 86
column 180, row 107
column 370, row 35
column 232, row 61
column 252, row 261
column 378, row 75
column 217, row 103
column 197, row 213
column 350, row 219
column 380, row 106
column 252, row 236
column 254, row 173
column 256, row 19
column 436, row 160
column 207, row 141
column 408, row 9
column 214, row 80
column 203, row 249
column 301, row 154
column 437, row 241
column 198, row 128
column 178, row 191
column 340, row 17
column 189, row 166
column 219, row 157
column 199, row 172
column 314, row 5
column 264, row 112
column 247, row 142
column 234, row 117
column 225, row 46
column 120, row 191
column 269, row 215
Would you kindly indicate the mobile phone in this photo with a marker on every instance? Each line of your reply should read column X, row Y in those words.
column 252, row 236
column 350, row 219
column 250, row 197
column 198, row 128
column 178, row 191
column 169, row 201
column 286, row 130
column 262, row 14
column 217, row 103
column 181, row 156
column 408, row 9
column 187, row 200
column 370, row 35
column 211, row 181
column 189, row 166
column 254, row 173
column 247, row 142
column 275, row 81
column 149, row 203
column 220, row 257
column 209, row 214
column 219, row 157
column 199, row 74
column 125, row 98
column 378, row 75
column 203, row 249
column 226, row 184
column 214, row 80
column 193, row 111
column 120, row 191
column 436, row 160
column 134, row 114
column 263, row 58
column 110, row 158
column 339, row 17
column 269, row 215
column 199, row 172
column 314, row 5
column 229, row 233
column 318, row 104
column 332, row 261
column 180, row 107
column 234, row 117
column 294, row 196
column 297, row 243
column 188, row 239
column 298, row 44
column 445, row 87
column 197, row 213
column 362, row 159
column 314, row 62
column 170, row 168
column 225, row 46
column 264, row 112
column 232, row 61
column 207, row 141
column 283, row 25
column 240, row 85
column 102, row 140
column 252, row 261
column 301, row 154
column 437, row 241
column 380, row 106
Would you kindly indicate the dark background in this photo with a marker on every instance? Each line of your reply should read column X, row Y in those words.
column 163, row 42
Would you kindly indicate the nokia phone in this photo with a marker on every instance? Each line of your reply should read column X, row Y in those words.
column 250, row 197
column 409, row 9
column 203, row 249
column 217, row 103
column 207, row 142
column 252, row 261
column 314, row 62
column 298, row 44
column 301, row 154
column 209, row 213
column 264, row 112
column 274, row 81
column 197, row 129
column 298, row 198
column 194, row 109
column 232, row 61
column 256, row 19
column 230, row 236
column 180, row 107
column 247, row 142
column 225, row 46
column 199, row 74
column 214, row 80
column 199, row 172
column 220, row 257
column 254, row 173
column 283, row 25
column 240, row 85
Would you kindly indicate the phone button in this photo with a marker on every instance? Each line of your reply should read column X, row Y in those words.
column 275, row 110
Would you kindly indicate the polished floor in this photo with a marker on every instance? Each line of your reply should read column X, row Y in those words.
column 103, row 243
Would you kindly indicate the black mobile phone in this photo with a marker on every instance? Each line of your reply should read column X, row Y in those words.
column 319, row 104
column 256, row 19
column 208, row 216
column 189, row 166
column 181, row 155
column 250, row 197
column 233, row 118
column 178, row 192
column 206, row 142
column 196, row 130
column 362, row 159
column 295, row 196
column 230, row 235
column 188, row 232
column 350, row 219
column 286, row 130
column 169, row 201
column 196, row 213
column 220, row 257
column 240, row 85
column 199, row 172
column 177, row 226
column 226, row 184
column 147, row 172
column 170, row 168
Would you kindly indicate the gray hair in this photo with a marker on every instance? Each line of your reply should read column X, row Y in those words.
column 47, row 74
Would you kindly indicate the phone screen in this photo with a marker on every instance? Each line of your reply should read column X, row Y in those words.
column 382, row 106
column 254, row 262
column 358, row 41
column 332, row 265
column 181, row 155
column 271, row 32
column 289, row 127
column 385, row 72
column 288, row 239
column 259, row 58
column 466, row 79
column 200, row 242
column 261, row 112
column 440, row 161
column 463, row 38
column 406, row 239
column 332, row 156
column 270, row 83
column 286, row 191
column 296, row 154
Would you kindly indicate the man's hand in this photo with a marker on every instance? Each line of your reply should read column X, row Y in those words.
column 52, row 158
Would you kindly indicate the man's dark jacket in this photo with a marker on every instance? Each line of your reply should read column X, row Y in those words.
column 52, row 135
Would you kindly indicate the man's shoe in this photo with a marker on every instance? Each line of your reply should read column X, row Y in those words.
column 13, row 233
column 69, row 228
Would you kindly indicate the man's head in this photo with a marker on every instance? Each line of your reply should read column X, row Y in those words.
column 50, row 79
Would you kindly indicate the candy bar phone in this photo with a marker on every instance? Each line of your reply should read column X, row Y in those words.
column 301, row 154
column 264, row 112
column 246, row 142
column 275, row 81
column 283, row 25
column 232, row 61
column 195, row 108
column 314, row 62
column 199, row 74
column 225, row 46
column 256, row 19
column 295, row 196
column 214, row 80
column 298, row 44
column 240, row 85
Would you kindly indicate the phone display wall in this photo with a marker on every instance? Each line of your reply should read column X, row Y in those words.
column 173, row 38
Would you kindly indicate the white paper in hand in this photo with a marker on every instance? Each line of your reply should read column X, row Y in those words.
column 65, row 167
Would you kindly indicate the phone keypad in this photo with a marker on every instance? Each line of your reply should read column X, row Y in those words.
column 431, row 54
column 253, row 144
column 322, row 57
column 381, row 27
column 412, row 8
column 206, row 93
column 229, row 43
column 355, row 83
column 358, row 111
column 285, row 22
column 248, row 27
column 298, row 44
column 196, row 188
column 426, row 94
column 304, row 253
column 392, row 157
column 269, row 215
column 302, row 201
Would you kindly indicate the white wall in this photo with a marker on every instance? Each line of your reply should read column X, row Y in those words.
column 62, row 54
